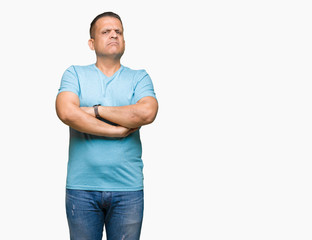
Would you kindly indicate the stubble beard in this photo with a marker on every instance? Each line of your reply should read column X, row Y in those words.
column 116, row 56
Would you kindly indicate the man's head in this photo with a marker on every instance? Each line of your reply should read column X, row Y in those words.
column 105, row 14
column 106, row 35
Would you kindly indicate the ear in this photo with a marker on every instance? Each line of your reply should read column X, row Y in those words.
column 91, row 43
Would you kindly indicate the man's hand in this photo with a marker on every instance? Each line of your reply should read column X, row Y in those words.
column 124, row 132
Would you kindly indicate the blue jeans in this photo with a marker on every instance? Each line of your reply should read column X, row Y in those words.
column 120, row 212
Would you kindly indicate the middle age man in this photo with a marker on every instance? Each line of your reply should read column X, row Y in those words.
column 105, row 104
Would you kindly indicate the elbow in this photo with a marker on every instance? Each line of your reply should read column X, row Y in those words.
column 144, row 118
column 149, row 116
column 66, row 106
column 148, row 111
column 65, row 115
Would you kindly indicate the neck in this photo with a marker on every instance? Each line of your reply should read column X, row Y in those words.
column 108, row 66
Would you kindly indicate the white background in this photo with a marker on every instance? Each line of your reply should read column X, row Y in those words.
column 229, row 155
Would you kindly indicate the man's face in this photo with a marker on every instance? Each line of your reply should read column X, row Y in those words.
column 108, row 39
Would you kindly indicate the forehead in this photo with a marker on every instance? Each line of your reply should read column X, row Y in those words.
column 108, row 22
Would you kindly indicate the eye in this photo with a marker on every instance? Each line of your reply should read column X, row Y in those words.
column 104, row 32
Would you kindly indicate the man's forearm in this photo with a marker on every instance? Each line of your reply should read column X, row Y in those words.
column 82, row 122
column 131, row 116
column 71, row 114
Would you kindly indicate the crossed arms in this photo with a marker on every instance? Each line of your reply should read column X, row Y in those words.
column 129, row 118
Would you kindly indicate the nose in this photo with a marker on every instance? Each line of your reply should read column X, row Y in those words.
column 113, row 34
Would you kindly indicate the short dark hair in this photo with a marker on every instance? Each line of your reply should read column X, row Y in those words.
column 104, row 14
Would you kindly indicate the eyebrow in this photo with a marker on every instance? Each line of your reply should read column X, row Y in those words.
column 109, row 29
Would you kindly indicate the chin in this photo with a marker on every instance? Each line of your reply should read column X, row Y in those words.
column 114, row 54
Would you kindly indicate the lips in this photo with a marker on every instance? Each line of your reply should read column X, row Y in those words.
column 114, row 43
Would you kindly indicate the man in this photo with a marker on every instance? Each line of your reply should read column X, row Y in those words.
column 105, row 104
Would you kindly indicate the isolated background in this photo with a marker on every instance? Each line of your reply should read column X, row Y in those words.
column 229, row 156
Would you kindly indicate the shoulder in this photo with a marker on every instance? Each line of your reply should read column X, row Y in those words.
column 135, row 74
column 81, row 70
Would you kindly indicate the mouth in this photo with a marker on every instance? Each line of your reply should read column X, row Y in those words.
column 113, row 43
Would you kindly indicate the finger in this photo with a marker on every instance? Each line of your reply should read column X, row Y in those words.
column 130, row 131
column 133, row 130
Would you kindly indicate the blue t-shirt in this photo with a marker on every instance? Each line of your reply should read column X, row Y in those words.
column 103, row 163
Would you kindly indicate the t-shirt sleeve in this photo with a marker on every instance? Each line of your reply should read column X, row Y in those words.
column 144, row 87
column 69, row 81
